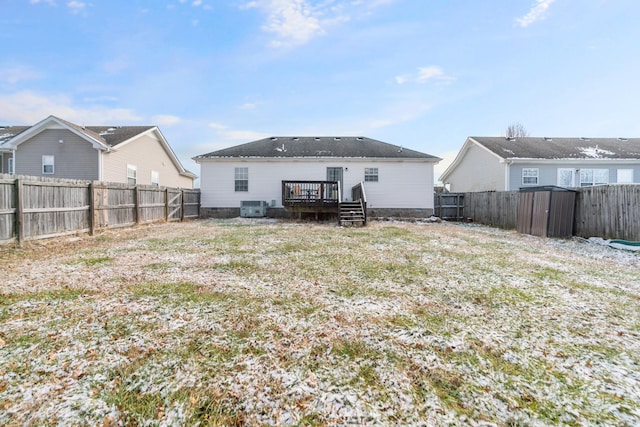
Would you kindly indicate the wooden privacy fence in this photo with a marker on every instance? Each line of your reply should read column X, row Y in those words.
column 607, row 211
column 36, row 208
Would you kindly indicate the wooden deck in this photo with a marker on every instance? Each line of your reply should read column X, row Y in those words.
column 311, row 196
column 325, row 197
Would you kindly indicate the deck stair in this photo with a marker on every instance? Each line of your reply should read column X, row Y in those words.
column 352, row 213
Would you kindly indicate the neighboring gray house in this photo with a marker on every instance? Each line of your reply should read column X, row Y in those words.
column 57, row 148
column 508, row 164
column 397, row 181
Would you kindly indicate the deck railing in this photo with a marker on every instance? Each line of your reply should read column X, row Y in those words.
column 310, row 193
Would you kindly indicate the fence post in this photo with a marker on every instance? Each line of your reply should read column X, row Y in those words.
column 19, row 211
column 137, row 203
column 92, row 209
column 181, row 204
column 166, row 204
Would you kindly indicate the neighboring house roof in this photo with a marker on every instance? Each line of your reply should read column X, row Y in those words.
column 7, row 133
column 562, row 148
column 105, row 138
column 314, row 147
column 546, row 149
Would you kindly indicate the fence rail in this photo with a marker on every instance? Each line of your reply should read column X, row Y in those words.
column 607, row 211
column 35, row 208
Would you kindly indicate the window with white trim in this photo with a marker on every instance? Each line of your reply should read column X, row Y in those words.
column 132, row 175
column 589, row 177
column 371, row 174
column 11, row 166
column 48, row 164
column 625, row 176
column 566, row 177
column 530, row 176
column 241, row 179
column 155, row 178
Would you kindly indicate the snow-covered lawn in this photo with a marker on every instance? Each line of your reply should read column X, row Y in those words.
column 257, row 322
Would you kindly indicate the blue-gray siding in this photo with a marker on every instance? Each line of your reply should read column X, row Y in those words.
column 75, row 157
column 548, row 174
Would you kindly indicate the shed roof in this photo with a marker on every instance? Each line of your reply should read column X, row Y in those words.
column 318, row 146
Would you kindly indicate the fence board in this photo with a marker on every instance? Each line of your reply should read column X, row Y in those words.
column 33, row 207
column 607, row 211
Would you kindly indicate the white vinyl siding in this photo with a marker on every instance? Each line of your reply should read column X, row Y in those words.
column 590, row 177
column 625, row 176
column 48, row 165
column 530, row 176
column 370, row 174
column 241, row 179
column 406, row 184
column 132, row 175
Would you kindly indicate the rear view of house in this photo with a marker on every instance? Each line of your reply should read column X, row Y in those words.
column 293, row 174
column 57, row 148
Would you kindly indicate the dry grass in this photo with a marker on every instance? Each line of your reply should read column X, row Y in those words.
column 276, row 323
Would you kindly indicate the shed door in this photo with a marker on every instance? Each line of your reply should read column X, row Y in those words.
column 335, row 174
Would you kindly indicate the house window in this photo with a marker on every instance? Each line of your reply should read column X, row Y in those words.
column 625, row 176
column 371, row 174
column 242, row 179
column 48, row 164
column 566, row 177
column 11, row 167
column 530, row 176
column 155, row 178
column 132, row 175
column 590, row 177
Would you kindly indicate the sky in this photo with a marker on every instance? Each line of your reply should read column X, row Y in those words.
column 424, row 74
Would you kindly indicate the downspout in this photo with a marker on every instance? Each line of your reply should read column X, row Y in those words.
column 99, row 165
column 507, row 173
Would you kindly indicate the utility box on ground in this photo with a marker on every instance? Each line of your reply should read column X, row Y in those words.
column 253, row 208
column 547, row 211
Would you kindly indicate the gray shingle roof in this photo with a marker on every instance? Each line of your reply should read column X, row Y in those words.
column 109, row 135
column 562, row 148
column 8, row 132
column 114, row 135
column 324, row 146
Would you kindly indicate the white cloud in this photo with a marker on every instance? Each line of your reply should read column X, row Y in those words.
column 537, row 12
column 228, row 134
column 30, row 107
column 76, row 6
column 166, row 120
column 425, row 74
column 248, row 106
column 13, row 74
column 294, row 22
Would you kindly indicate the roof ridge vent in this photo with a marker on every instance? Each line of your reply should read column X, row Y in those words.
column 623, row 139
column 359, row 138
column 337, row 138
column 510, row 138
column 582, row 138
column 274, row 138
column 547, row 138
column 295, row 138
column 317, row 138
